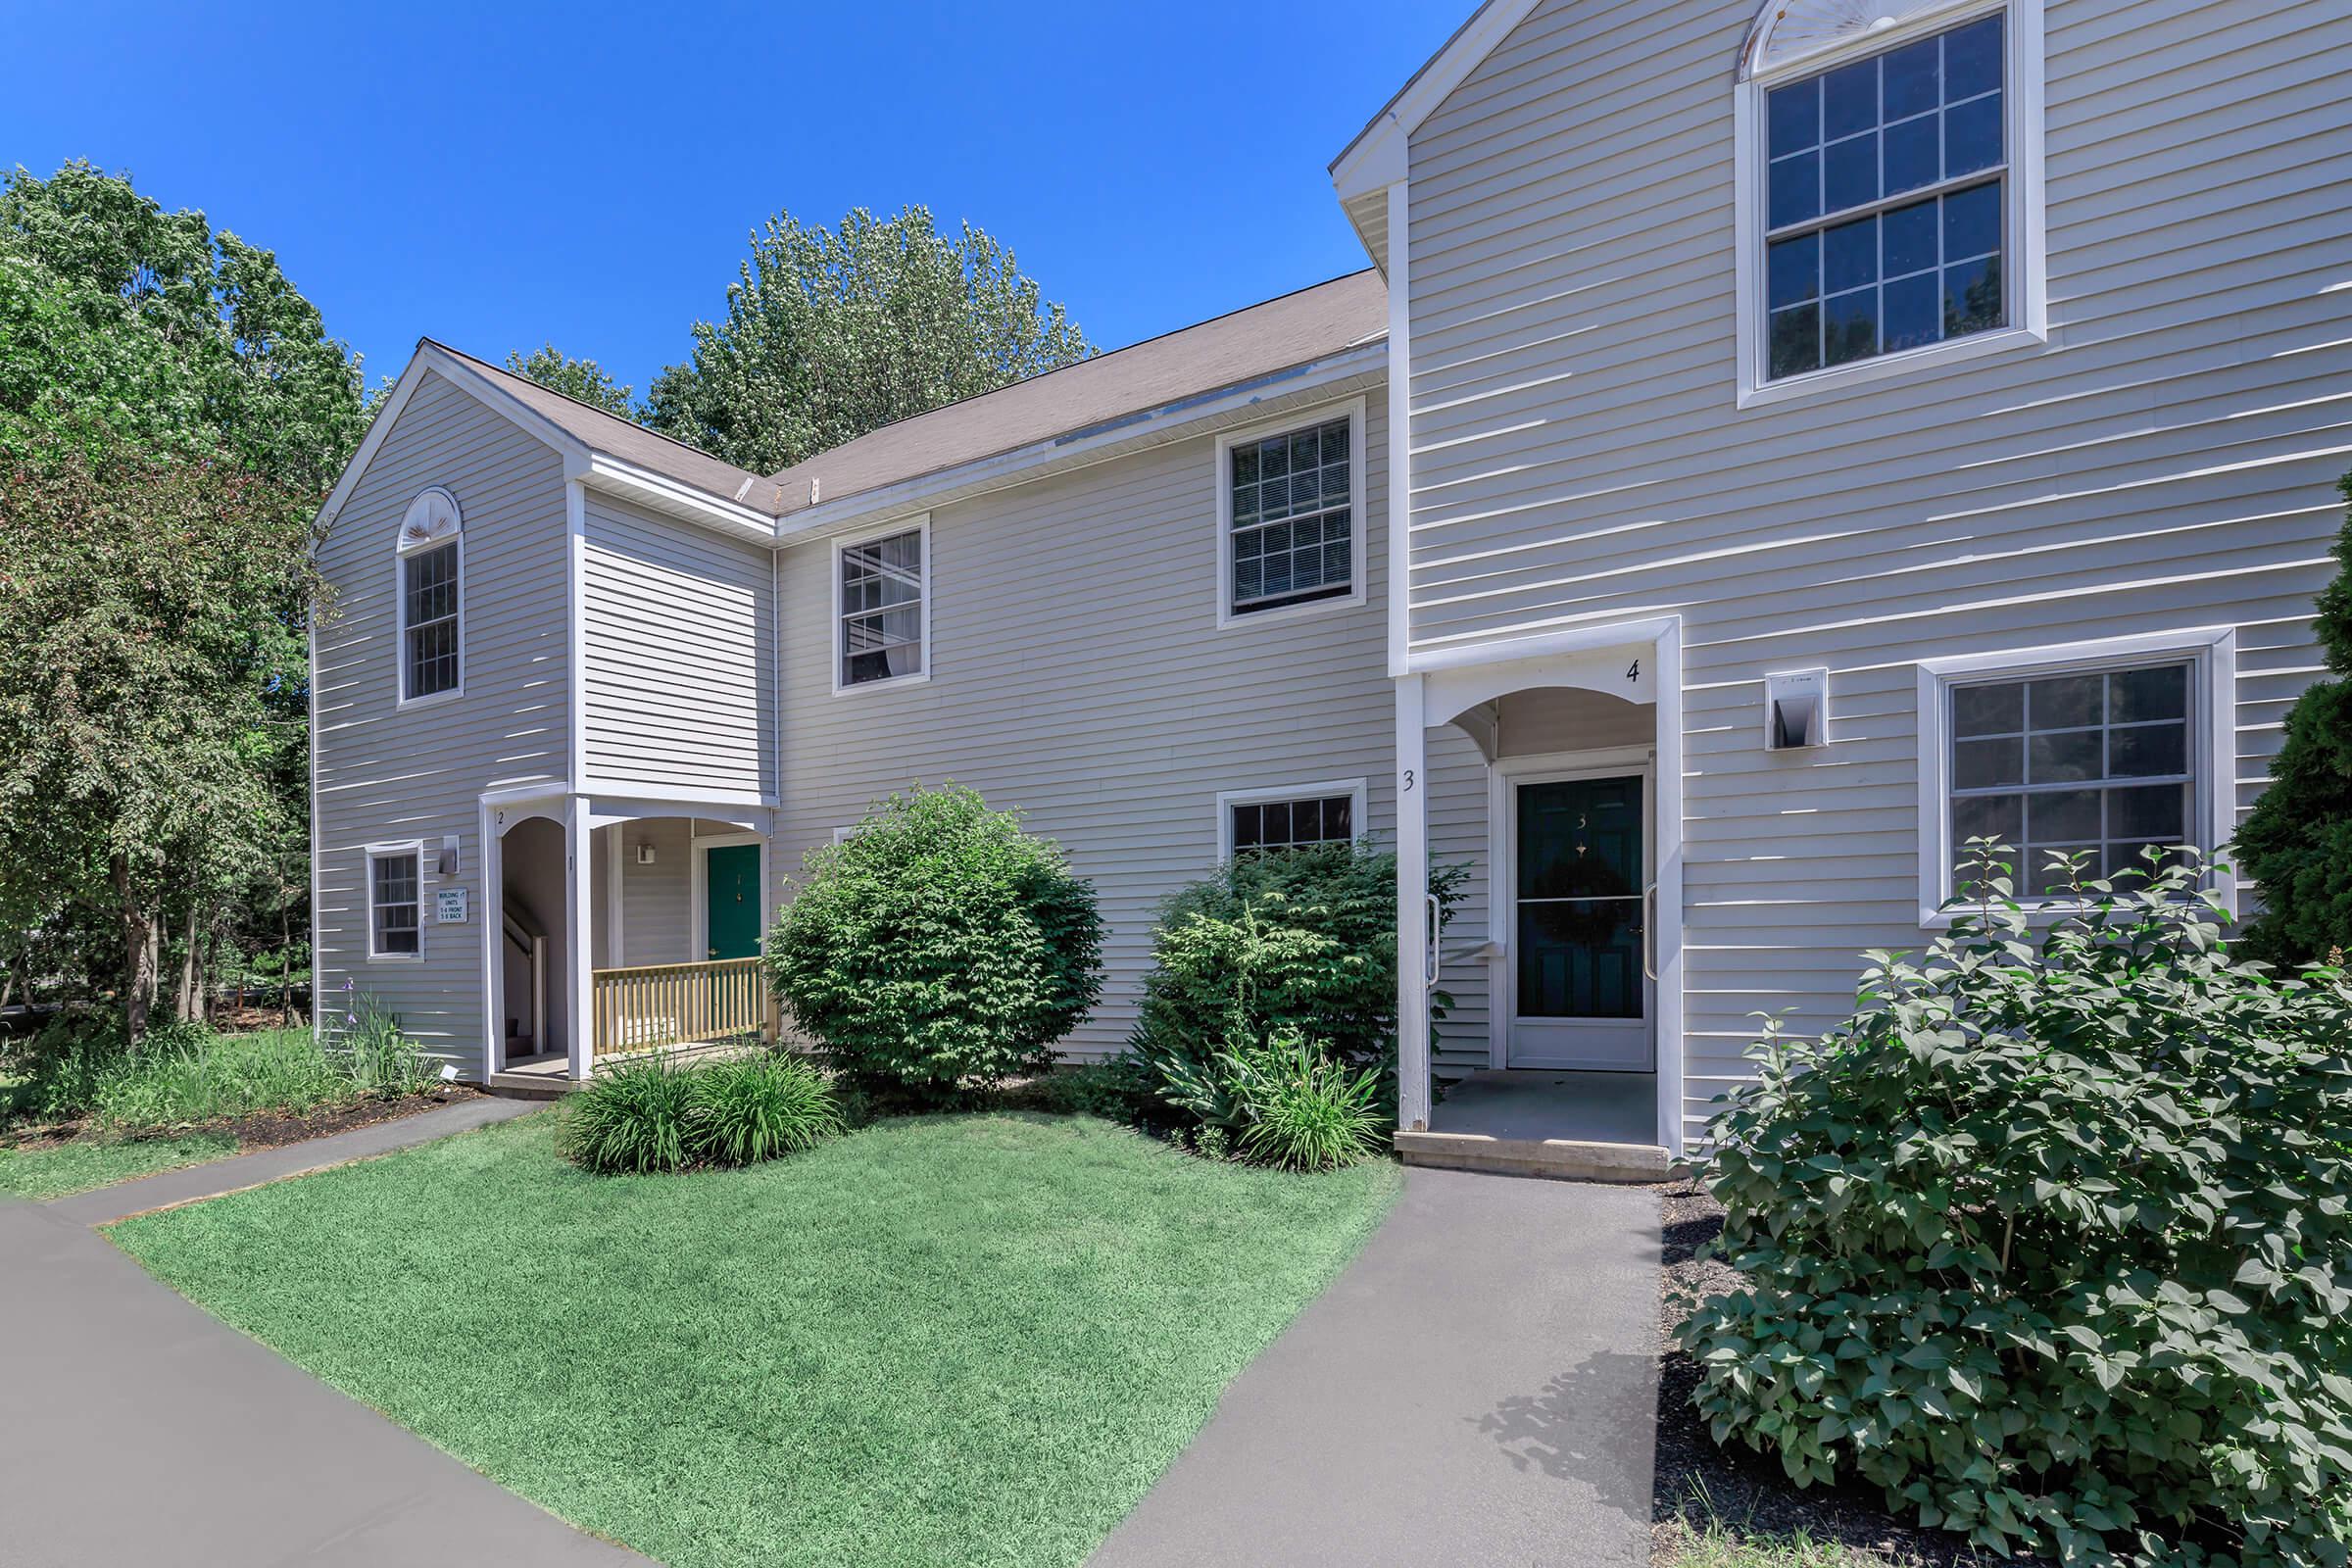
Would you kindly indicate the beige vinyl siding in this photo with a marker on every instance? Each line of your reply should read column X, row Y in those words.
column 2166, row 461
column 1078, row 674
column 386, row 773
column 677, row 639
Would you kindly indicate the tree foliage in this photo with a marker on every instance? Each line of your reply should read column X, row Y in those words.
column 120, row 321
column 831, row 332
column 2051, row 1241
column 171, row 412
column 583, row 380
column 2296, row 844
column 145, row 729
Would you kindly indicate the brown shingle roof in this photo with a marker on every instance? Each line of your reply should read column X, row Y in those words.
column 629, row 441
column 1228, row 351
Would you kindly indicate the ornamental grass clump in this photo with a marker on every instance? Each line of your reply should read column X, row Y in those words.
column 649, row 1116
column 2051, row 1241
column 631, row 1120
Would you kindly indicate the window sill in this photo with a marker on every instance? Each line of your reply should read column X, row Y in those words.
column 1864, row 372
column 404, row 703
column 396, row 957
column 887, row 683
column 1228, row 619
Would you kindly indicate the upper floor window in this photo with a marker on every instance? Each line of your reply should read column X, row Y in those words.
column 882, row 605
column 1290, row 516
column 1890, row 201
column 431, row 590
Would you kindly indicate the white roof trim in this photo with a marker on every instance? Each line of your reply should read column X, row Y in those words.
column 1375, row 156
column 597, row 469
column 1071, row 449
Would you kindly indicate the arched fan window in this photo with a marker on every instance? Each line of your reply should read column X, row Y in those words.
column 430, row 591
column 1889, row 196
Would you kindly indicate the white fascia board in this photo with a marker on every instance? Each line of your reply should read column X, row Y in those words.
column 1076, row 449
column 1377, row 156
column 600, row 471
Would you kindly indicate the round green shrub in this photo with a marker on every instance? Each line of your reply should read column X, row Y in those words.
column 2051, row 1241
column 938, row 946
column 633, row 1120
column 760, row 1107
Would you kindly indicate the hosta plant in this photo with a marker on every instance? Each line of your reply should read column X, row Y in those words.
column 2051, row 1241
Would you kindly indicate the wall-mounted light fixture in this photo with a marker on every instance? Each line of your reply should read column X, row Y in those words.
column 645, row 852
column 1797, row 708
column 449, row 855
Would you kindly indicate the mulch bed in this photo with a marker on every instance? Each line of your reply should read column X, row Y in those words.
column 271, row 1129
column 1750, row 1495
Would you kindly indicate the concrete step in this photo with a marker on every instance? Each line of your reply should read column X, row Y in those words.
column 1558, row 1159
column 530, row 1084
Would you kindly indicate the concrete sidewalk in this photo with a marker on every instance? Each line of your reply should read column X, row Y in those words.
column 1478, row 1387
column 140, row 1430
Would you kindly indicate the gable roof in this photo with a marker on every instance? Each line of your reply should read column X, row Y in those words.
column 627, row 440
column 1126, row 384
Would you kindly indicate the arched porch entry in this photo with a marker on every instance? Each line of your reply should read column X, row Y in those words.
column 1580, row 734
column 622, row 926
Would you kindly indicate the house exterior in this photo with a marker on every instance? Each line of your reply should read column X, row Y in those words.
column 1770, row 449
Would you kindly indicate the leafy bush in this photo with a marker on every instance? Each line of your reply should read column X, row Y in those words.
column 1306, row 1112
column 2296, row 844
column 1110, row 1090
column 634, row 1119
column 760, row 1107
column 2051, row 1241
column 57, row 1071
column 937, row 945
column 1304, row 940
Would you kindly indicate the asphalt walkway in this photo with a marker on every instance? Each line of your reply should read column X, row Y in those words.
column 1478, row 1387
column 134, row 1428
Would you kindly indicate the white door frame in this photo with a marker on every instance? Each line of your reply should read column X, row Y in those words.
column 1503, row 777
column 698, row 846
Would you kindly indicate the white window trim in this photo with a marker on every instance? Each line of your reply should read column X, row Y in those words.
column 403, row 551
column 2212, row 654
column 1359, row 791
column 386, row 852
column 919, row 523
column 1360, row 567
column 2023, row 265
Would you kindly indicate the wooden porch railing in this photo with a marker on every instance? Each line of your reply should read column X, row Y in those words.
column 664, row 1005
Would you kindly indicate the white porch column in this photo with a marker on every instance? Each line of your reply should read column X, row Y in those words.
column 579, row 973
column 1412, row 913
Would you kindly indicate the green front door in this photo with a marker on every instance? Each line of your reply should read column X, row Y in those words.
column 731, row 889
column 1580, row 996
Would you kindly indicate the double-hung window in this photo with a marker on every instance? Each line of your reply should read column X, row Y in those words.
column 1890, row 198
column 393, row 903
column 431, row 589
column 1291, row 503
column 882, row 607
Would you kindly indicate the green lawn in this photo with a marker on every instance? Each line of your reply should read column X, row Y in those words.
column 56, row 1169
column 937, row 1341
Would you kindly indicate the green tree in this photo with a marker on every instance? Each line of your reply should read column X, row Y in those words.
column 121, row 320
column 831, row 332
column 2296, row 844
column 144, row 722
column 584, row 380
column 150, row 361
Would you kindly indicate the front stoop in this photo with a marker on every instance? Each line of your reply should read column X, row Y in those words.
column 1558, row 1159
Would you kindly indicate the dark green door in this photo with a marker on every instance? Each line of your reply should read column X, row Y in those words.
column 731, row 887
column 1580, row 994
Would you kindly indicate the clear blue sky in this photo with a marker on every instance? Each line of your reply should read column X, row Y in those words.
column 499, row 177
